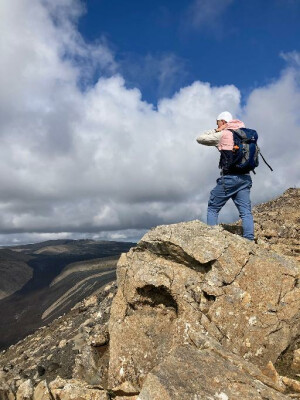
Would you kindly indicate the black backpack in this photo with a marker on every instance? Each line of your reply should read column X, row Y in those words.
column 243, row 158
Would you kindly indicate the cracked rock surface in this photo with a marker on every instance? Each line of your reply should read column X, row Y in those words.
column 189, row 373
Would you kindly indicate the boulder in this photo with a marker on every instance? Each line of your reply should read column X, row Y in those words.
column 198, row 374
column 91, row 365
column 292, row 384
column 73, row 389
column 125, row 389
column 190, row 279
column 41, row 392
column 25, row 391
column 272, row 373
column 6, row 392
column 126, row 398
column 296, row 361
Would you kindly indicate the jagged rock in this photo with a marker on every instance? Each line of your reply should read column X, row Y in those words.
column 277, row 224
column 99, row 340
column 99, row 336
column 25, row 391
column 296, row 361
column 125, row 389
column 2, row 375
column 189, row 277
column 62, row 343
column 90, row 301
column 272, row 373
column 189, row 373
column 292, row 384
column 41, row 392
column 91, row 365
column 75, row 390
column 6, row 392
column 7, row 367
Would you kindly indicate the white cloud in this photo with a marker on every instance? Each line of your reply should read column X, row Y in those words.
column 292, row 57
column 100, row 162
column 273, row 110
column 206, row 13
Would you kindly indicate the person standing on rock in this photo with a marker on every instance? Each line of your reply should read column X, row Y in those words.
column 232, row 184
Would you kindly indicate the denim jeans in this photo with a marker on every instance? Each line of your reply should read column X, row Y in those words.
column 237, row 188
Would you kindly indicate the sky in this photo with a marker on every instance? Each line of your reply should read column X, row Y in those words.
column 101, row 102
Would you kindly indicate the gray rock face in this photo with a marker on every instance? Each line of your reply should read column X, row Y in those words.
column 188, row 279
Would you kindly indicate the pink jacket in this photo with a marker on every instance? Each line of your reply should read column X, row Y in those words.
column 226, row 140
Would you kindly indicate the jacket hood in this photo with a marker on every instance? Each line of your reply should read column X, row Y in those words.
column 235, row 124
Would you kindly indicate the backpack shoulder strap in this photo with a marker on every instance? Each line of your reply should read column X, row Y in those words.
column 265, row 161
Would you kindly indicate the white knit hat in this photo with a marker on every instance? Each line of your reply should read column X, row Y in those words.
column 225, row 115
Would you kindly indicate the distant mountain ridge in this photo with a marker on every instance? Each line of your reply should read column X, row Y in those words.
column 14, row 270
column 41, row 281
column 79, row 245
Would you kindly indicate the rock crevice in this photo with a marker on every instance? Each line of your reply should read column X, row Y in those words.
column 175, row 253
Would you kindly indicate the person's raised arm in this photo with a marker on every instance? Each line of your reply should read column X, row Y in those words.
column 210, row 138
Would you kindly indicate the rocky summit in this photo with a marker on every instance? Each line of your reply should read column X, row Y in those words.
column 198, row 313
column 277, row 224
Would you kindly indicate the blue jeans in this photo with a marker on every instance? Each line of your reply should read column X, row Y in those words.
column 237, row 188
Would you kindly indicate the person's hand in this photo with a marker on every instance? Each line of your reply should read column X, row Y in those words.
column 221, row 128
